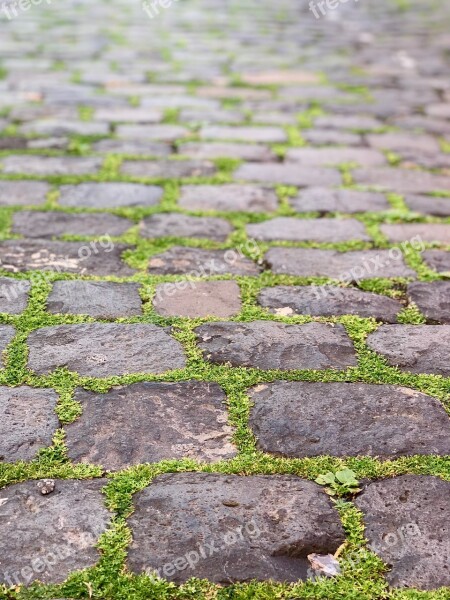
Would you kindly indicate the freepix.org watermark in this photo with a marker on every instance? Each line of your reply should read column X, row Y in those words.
column 153, row 7
column 207, row 550
column 320, row 8
column 13, row 8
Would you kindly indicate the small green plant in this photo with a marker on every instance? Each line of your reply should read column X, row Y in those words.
column 340, row 483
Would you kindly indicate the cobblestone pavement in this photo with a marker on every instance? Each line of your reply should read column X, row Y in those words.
column 224, row 292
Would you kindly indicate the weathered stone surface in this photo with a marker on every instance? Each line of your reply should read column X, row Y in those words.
column 439, row 260
column 50, row 165
column 271, row 345
column 329, row 137
column 163, row 133
column 149, row 422
column 182, row 260
column 34, row 224
column 280, row 77
column 131, row 147
column 6, row 335
column 407, row 524
column 232, row 197
column 13, row 295
column 129, row 115
column 414, row 348
column 100, row 299
column 252, row 134
column 179, row 225
column 261, row 527
column 104, row 349
column 402, row 180
column 346, row 266
column 47, row 537
column 28, row 422
column 429, row 205
column 329, row 301
column 109, row 195
column 204, row 150
column 100, row 257
column 172, row 169
column 334, row 156
column 432, row 298
column 23, row 193
column 358, row 122
column 346, row 201
column 313, row 230
column 427, row 232
column 300, row 419
column 198, row 299
column 289, row 174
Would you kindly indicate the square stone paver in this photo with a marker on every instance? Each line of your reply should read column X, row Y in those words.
column 312, row 230
column 271, row 345
column 414, row 348
column 23, row 193
column 150, row 422
column 345, row 266
column 228, row 528
column 98, row 299
column 302, row 419
column 13, row 295
column 100, row 257
column 407, row 524
column 232, row 197
column 47, row 537
column 109, row 195
column 329, row 301
column 34, row 224
column 196, row 262
column 346, row 201
column 288, row 174
column 178, row 225
column 28, row 422
column 104, row 349
column 195, row 299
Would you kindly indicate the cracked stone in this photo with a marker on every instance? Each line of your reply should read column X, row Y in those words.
column 149, row 422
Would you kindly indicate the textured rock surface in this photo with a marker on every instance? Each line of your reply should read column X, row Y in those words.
column 6, row 335
column 179, row 225
column 181, row 260
column 336, row 156
column 432, row 298
column 33, row 224
column 402, row 180
column 169, row 168
column 50, row 165
column 414, row 348
column 100, row 299
column 109, row 195
column 270, row 345
column 428, row 205
column 23, row 193
column 439, row 260
column 250, row 152
column 28, row 422
column 407, row 524
column 47, row 537
column 328, row 301
column 198, row 299
column 13, row 295
column 101, row 257
column 246, row 198
column 345, row 201
column 427, row 232
column 260, row 527
column 150, row 422
column 346, row 266
column 104, row 349
column 301, row 419
column 312, row 230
